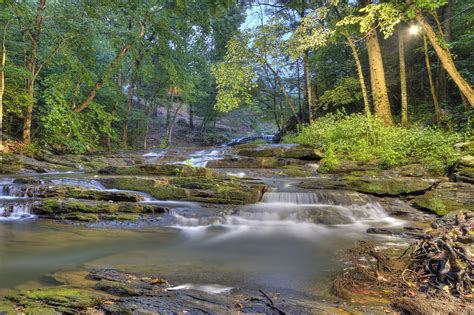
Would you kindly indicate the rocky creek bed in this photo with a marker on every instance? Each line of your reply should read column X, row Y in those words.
column 233, row 205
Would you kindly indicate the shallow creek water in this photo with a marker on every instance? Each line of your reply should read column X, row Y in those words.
column 286, row 243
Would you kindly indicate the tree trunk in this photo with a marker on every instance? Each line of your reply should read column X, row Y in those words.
column 298, row 83
column 446, row 60
column 169, row 132
column 430, row 80
column 377, row 78
column 131, row 93
column 360, row 74
column 191, row 117
column 31, row 67
column 2, row 87
column 403, row 79
column 98, row 85
column 148, row 109
column 308, row 89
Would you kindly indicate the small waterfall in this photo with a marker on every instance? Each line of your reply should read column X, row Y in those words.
column 15, row 212
column 293, row 212
column 329, row 197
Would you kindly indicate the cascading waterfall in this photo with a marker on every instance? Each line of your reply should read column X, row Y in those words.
column 298, row 213
column 14, row 201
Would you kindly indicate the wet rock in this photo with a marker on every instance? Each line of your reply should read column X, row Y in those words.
column 380, row 231
column 88, row 194
column 447, row 197
column 302, row 153
column 66, row 299
column 202, row 189
column 252, row 162
column 347, row 166
column 299, row 170
column 399, row 208
column 261, row 151
column 451, row 219
column 158, row 169
column 375, row 185
column 90, row 211
column 389, row 186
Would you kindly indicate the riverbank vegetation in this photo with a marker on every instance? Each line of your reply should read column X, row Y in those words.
column 364, row 138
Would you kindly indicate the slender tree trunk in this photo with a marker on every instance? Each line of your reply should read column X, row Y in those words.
column 298, row 83
column 191, row 117
column 148, row 109
column 2, row 86
column 403, row 79
column 308, row 89
column 443, row 78
column 360, row 74
column 169, row 132
column 430, row 80
column 108, row 71
column 446, row 60
column 31, row 65
column 131, row 93
column 377, row 78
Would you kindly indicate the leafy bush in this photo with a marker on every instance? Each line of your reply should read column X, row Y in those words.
column 63, row 130
column 361, row 138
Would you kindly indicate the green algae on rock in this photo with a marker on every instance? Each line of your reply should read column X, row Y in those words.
column 447, row 197
column 159, row 170
column 203, row 189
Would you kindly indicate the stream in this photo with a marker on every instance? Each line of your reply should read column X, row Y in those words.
column 286, row 243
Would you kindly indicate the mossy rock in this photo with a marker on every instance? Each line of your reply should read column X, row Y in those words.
column 302, row 153
column 447, row 197
column 388, row 186
column 82, row 217
column 467, row 161
column 8, row 308
column 60, row 206
column 202, row 189
column 88, row 194
column 261, row 151
column 297, row 171
column 252, row 162
column 68, row 298
column 347, row 166
column 9, row 163
column 159, row 169
column 127, row 217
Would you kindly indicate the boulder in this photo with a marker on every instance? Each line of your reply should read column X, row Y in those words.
column 447, row 197
column 302, row 153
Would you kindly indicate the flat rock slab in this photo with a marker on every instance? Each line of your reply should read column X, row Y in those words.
column 375, row 185
column 447, row 197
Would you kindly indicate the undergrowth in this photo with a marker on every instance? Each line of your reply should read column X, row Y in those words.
column 361, row 138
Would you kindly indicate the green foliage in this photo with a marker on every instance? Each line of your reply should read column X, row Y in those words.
column 330, row 161
column 361, row 138
column 347, row 91
column 234, row 76
column 383, row 15
column 62, row 129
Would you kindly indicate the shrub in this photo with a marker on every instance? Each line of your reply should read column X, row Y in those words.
column 361, row 138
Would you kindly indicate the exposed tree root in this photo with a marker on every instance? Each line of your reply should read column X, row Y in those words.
column 435, row 271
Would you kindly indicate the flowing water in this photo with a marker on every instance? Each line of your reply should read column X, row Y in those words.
column 287, row 242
